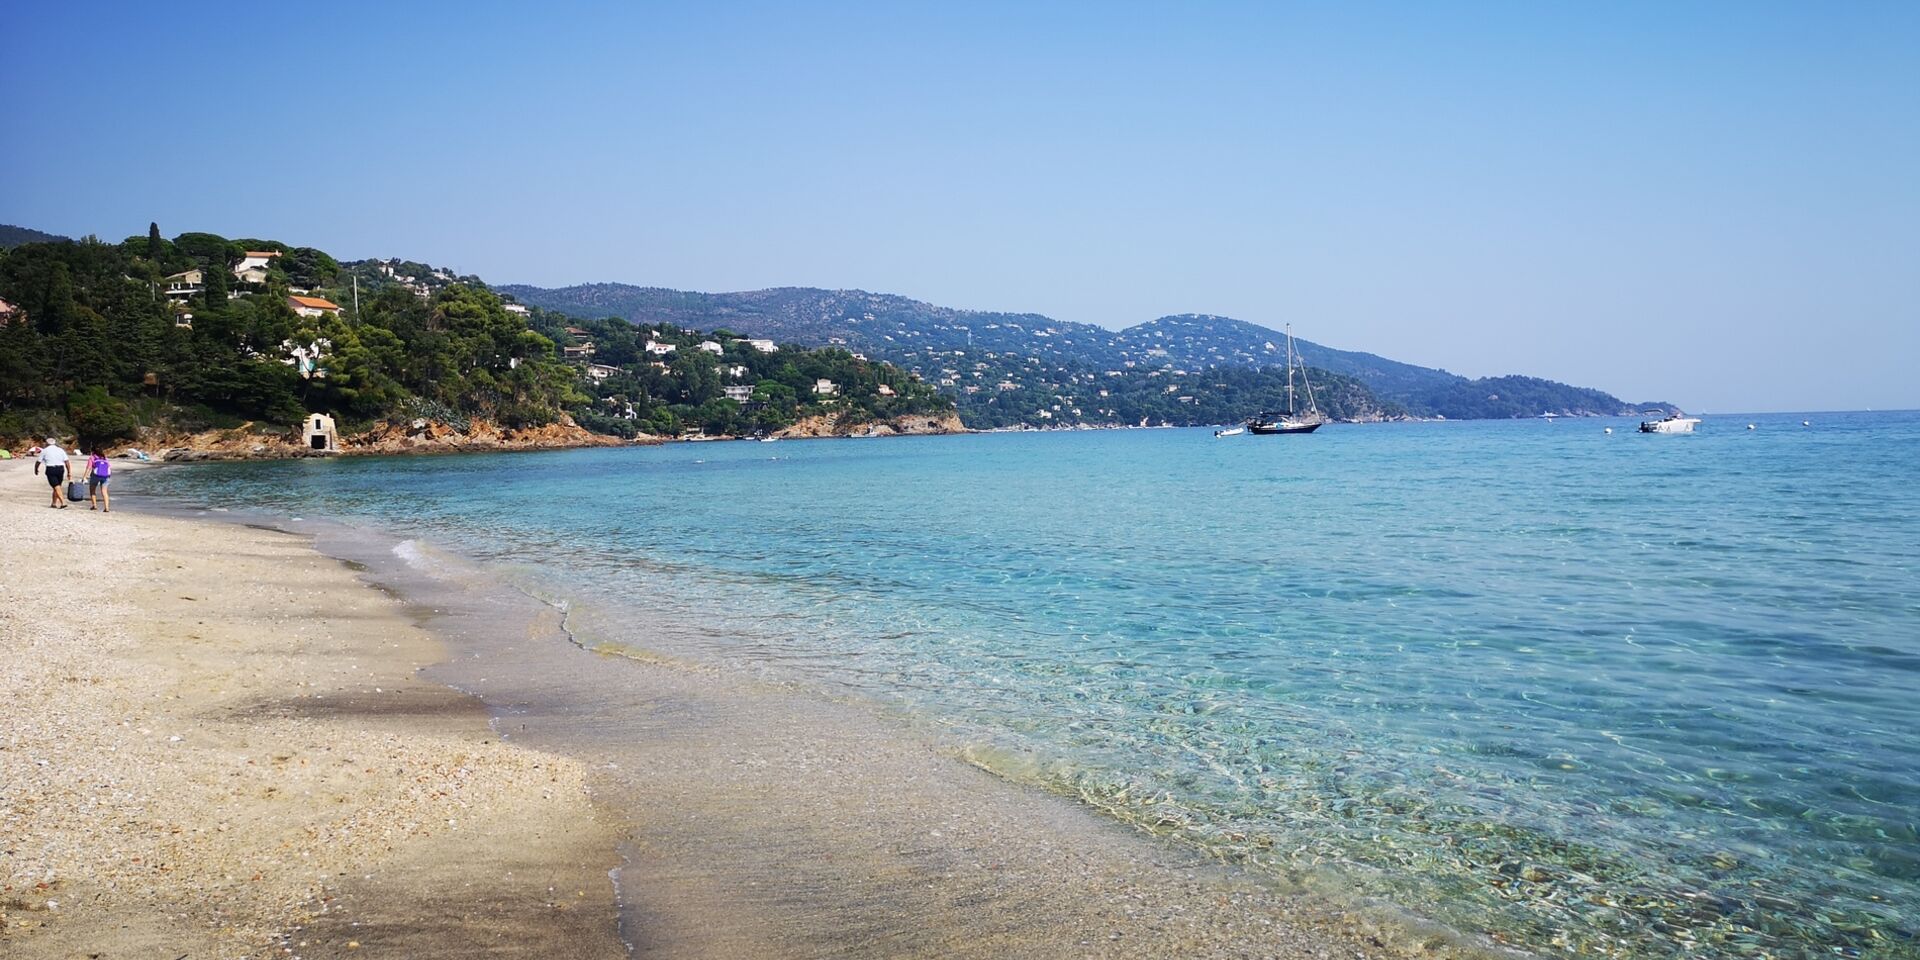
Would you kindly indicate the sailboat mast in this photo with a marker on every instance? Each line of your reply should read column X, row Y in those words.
column 1289, row 369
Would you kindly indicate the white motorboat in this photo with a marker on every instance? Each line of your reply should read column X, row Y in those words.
column 1230, row 432
column 1671, row 423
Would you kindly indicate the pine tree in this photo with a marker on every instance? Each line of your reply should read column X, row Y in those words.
column 154, row 247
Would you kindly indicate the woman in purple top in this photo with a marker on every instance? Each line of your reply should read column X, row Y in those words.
column 99, row 471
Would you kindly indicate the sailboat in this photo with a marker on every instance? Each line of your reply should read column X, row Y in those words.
column 1291, row 420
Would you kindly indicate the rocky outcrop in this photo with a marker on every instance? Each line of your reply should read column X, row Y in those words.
column 250, row 442
column 912, row 424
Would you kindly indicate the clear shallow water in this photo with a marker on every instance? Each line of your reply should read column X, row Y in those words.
column 1586, row 693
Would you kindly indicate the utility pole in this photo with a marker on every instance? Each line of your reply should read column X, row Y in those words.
column 356, row 297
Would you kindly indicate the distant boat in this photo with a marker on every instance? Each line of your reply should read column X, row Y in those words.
column 1671, row 423
column 1230, row 432
column 768, row 439
column 1290, row 420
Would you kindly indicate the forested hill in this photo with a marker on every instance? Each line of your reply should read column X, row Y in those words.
column 12, row 236
column 201, row 332
column 938, row 339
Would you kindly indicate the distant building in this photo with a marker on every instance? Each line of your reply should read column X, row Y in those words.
column 735, row 371
column 186, row 284
column 885, row 390
column 764, row 346
column 313, row 306
column 712, row 346
column 515, row 308
column 583, row 351
column 577, row 332
column 306, row 358
column 252, row 267
column 738, row 392
column 660, row 349
column 11, row 314
column 600, row 371
column 825, row 388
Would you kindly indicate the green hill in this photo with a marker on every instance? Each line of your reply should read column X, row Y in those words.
column 1051, row 356
column 201, row 331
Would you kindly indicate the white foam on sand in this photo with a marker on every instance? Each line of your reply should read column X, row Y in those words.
column 415, row 554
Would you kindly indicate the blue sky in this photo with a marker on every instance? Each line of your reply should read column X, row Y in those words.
column 1713, row 203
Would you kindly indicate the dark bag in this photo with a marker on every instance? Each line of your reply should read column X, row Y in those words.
column 76, row 489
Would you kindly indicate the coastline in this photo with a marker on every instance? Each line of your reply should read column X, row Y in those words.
column 761, row 818
column 214, row 744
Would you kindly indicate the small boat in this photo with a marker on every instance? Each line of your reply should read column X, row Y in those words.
column 1671, row 423
column 1289, row 420
column 1230, row 432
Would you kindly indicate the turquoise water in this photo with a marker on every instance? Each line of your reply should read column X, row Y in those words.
column 1584, row 693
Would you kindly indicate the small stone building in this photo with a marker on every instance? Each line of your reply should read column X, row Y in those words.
column 317, row 433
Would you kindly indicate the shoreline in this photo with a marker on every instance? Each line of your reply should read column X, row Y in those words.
column 770, row 820
column 215, row 744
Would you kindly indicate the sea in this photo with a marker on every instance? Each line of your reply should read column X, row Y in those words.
column 1576, row 691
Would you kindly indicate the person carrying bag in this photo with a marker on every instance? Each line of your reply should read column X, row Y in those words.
column 99, row 471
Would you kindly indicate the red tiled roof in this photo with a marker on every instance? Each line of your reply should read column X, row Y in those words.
column 315, row 302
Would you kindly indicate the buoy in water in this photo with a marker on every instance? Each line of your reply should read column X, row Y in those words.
column 1749, row 426
column 1608, row 429
column 1806, row 423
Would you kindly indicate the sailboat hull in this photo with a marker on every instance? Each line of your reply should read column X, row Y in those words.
column 1274, row 428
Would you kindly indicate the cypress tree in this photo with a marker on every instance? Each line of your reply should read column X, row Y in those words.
column 153, row 242
column 216, row 283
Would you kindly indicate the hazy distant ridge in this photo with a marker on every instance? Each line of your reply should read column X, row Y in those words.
column 12, row 236
column 937, row 340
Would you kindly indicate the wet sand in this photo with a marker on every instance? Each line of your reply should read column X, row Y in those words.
column 768, row 820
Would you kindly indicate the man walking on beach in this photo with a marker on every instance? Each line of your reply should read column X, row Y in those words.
column 54, row 460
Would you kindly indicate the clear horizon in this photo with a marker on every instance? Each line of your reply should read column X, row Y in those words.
column 1710, row 204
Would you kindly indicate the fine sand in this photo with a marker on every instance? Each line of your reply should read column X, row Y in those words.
column 212, row 744
column 215, row 744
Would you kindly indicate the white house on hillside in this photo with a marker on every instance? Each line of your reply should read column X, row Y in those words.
column 313, row 306
column 712, row 346
column 600, row 371
column 252, row 267
column 825, row 388
column 738, row 392
column 515, row 308
column 660, row 349
column 764, row 346
column 307, row 359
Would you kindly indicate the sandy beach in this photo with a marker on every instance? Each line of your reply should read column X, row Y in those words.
column 220, row 742
column 212, row 744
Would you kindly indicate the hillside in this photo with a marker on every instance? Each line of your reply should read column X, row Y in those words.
column 12, row 236
column 202, row 334
column 1039, row 353
column 1001, row 369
